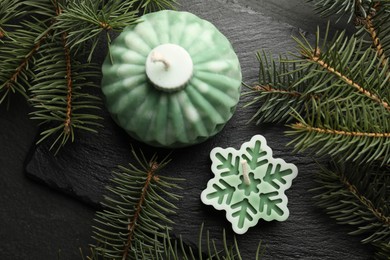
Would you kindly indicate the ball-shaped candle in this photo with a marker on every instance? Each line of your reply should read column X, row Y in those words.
column 171, row 80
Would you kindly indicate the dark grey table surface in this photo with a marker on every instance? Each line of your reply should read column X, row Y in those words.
column 39, row 218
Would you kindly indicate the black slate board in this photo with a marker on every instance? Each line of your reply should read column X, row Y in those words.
column 83, row 169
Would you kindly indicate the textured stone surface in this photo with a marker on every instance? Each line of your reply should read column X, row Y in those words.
column 35, row 221
column 84, row 168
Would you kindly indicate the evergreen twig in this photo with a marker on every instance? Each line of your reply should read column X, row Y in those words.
column 275, row 93
column 9, row 10
column 316, row 58
column 358, row 196
column 152, row 5
column 86, row 21
column 339, row 99
column 136, row 212
column 39, row 42
column 371, row 27
column 308, row 128
column 21, row 42
column 371, row 17
column 135, row 223
column 337, row 96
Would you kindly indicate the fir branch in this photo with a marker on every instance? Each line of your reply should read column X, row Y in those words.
column 154, row 5
column 382, row 251
column 73, row 26
column 272, row 90
column 276, row 93
column 376, row 24
column 58, row 91
column 338, row 96
column 371, row 28
column 357, row 196
column 352, row 131
column 341, row 8
column 377, row 212
column 135, row 217
column 85, row 21
column 346, row 108
column 308, row 128
column 9, row 11
column 272, row 109
column 372, row 17
column 59, row 94
column 69, row 80
column 69, row 84
column 345, row 115
column 231, row 252
column 150, row 174
column 315, row 56
column 11, row 83
column 26, row 59
column 17, row 55
column 22, row 44
column 134, row 223
column 176, row 249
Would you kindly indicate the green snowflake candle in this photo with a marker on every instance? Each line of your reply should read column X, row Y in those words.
column 172, row 80
column 249, row 184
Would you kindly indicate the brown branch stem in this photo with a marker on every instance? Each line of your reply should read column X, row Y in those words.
column 69, row 85
column 375, row 38
column 35, row 48
column 365, row 201
column 376, row 41
column 132, row 224
column 339, row 132
column 316, row 58
column 69, row 81
column 105, row 25
column 270, row 89
column 26, row 59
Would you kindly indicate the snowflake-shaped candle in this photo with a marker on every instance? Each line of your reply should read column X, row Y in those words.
column 249, row 184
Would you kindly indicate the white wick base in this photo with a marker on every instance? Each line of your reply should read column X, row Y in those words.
column 169, row 67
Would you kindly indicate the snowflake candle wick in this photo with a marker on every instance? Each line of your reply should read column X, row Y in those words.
column 244, row 165
column 249, row 184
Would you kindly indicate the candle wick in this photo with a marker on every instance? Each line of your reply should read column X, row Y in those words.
column 245, row 173
column 158, row 57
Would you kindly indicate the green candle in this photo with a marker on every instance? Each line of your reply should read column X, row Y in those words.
column 249, row 184
column 172, row 80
